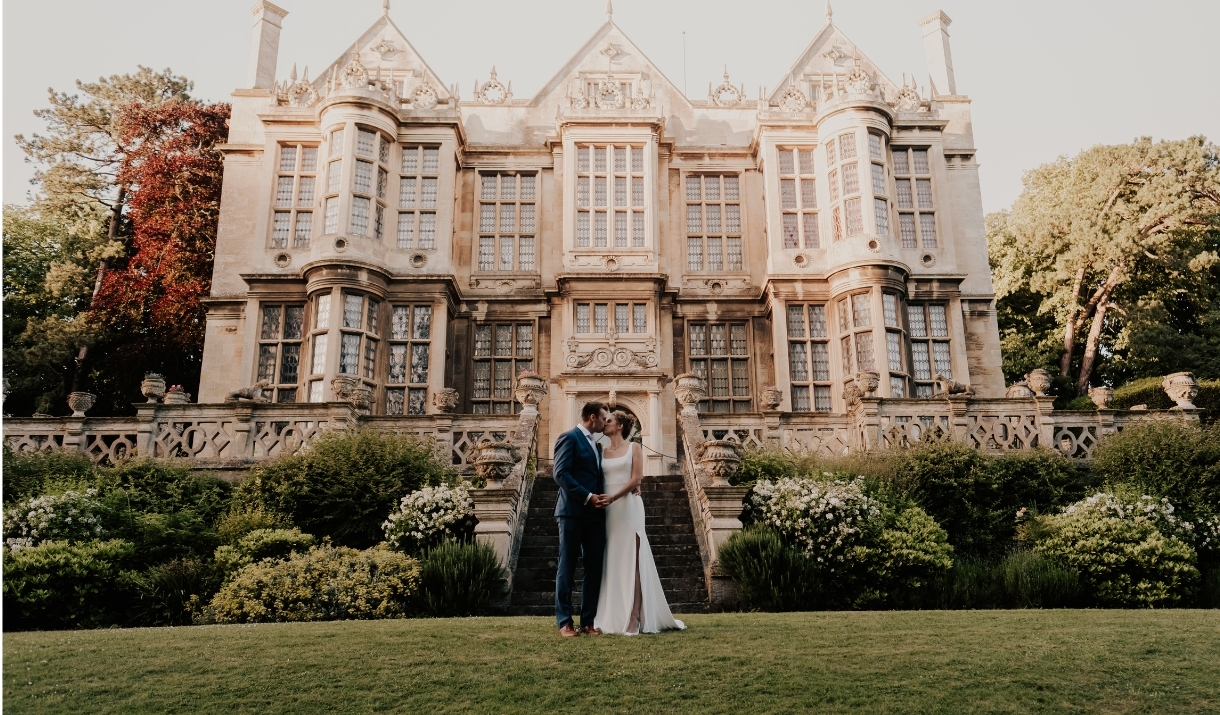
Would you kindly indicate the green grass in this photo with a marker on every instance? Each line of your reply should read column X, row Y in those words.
column 888, row 662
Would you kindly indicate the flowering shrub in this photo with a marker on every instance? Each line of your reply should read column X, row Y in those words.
column 863, row 552
column 327, row 583
column 1207, row 538
column 827, row 520
column 426, row 517
column 1129, row 551
column 74, row 515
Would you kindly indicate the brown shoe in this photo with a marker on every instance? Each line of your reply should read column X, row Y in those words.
column 568, row 631
column 591, row 631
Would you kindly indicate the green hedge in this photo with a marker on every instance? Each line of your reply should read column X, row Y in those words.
column 61, row 585
column 1166, row 459
column 460, row 579
column 1148, row 391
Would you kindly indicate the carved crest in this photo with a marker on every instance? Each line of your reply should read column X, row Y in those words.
column 424, row 97
column 726, row 95
column 354, row 75
column 793, row 99
column 492, row 92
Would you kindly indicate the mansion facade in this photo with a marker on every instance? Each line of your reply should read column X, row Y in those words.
column 608, row 233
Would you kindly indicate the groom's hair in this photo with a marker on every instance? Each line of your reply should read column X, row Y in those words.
column 592, row 409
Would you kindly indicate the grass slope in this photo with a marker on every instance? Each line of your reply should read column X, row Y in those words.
column 887, row 662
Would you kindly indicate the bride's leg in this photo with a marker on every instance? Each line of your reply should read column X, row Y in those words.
column 633, row 623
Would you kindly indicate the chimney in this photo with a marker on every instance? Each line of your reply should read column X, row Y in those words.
column 936, row 46
column 265, row 45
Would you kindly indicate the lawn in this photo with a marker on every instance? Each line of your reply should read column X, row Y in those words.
column 888, row 662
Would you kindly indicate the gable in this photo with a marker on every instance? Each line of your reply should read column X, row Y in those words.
column 384, row 50
column 828, row 60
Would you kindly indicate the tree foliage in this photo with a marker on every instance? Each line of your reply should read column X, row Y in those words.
column 112, row 258
column 1109, row 261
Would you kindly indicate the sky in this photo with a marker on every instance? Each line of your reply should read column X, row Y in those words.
column 1047, row 77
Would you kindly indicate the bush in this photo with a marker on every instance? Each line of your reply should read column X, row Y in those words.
column 976, row 496
column 27, row 474
column 770, row 575
column 343, row 485
column 1168, row 459
column 1148, row 391
column 261, row 544
column 173, row 593
column 326, row 583
column 865, row 552
column 62, row 585
column 429, row 516
column 161, row 487
column 241, row 521
column 75, row 515
column 461, row 579
column 1128, row 552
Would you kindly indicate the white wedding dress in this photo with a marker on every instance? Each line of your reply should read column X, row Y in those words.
column 624, row 530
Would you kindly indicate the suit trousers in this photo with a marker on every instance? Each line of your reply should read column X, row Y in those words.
column 579, row 536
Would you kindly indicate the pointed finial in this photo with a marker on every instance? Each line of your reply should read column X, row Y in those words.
column 293, row 75
column 829, row 12
column 305, row 78
column 609, row 11
column 385, row 7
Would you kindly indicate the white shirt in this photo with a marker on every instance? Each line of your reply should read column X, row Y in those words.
column 592, row 443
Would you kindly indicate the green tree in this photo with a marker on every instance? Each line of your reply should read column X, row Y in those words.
column 1106, row 244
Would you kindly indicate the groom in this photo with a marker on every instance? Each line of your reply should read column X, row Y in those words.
column 581, row 514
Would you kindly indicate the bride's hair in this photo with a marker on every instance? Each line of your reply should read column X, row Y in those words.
column 627, row 421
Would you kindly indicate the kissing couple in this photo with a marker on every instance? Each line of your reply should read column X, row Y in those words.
column 601, row 517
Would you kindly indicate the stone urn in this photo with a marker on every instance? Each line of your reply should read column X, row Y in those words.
column 1101, row 397
column 177, row 397
column 530, row 390
column 690, row 390
column 1018, row 390
column 494, row 461
column 719, row 459
column 1039, row 381
column 153, row 387
column 362, row 397
column 445, row 400
column 343, row 386
column 771, row 397
column 80, row 402
column 868, row 381
column 1182, row 389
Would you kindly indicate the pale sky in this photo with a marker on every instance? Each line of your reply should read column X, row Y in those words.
column 1047, row 77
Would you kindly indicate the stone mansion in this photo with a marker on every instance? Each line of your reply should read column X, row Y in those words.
column 608, row 233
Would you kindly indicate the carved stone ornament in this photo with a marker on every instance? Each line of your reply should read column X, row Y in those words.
column 726, row 95
column 690, row 390
column 445, row 400
column 80, row 402
column 253, row 393
column 343, row 387
column 907, row 100
column 384, row 48
column 1182, row 388
column 613, row 358
column 859, row 81
column 530, row 389
column 771, row 397
column 580, row 102
column 945, row 386
column 640, row 102
column 1101, row 396
column 302, row 94
column 424, row 97
column 153, row 387
column 852, row 395
column 1039, row 381
column 868, row 381
column 719, row 459
column 494, row 461
column 491, row 91
column 793, row 99
column 1018, row 390
column 610, row 95
column 177, row 397
column 354, row 75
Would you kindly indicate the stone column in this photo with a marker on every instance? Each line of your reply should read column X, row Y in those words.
column 146, row 428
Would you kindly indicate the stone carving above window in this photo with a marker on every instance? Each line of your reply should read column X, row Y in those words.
column 859, row 81
column 612, row 358
column 793, row 99
column 354, row 75
column 610, row 92
column 297, row 93
column 424, row 96
column 907, row 99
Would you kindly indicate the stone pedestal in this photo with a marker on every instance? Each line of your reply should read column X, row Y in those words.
column 496, row 510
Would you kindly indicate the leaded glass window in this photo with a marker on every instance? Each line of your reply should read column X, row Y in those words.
column 720, row 353
column 281, row 331
column 410, row 345
column 507, row 220
column 502, row 351
column 294, row 196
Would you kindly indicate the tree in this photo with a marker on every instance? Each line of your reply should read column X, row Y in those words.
column 129, row 172
column 1087, row 229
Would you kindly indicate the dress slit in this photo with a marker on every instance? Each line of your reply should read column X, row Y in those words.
column 637, row 607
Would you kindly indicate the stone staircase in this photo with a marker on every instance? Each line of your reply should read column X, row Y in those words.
column 671, row 533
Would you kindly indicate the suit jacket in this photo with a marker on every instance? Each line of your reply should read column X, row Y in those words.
column 578, row 474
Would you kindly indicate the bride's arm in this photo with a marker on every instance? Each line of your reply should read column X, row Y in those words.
column 637, row 475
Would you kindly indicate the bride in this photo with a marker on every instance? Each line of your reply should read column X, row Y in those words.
column 631, row 600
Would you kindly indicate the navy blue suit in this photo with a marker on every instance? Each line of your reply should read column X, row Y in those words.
column 582, row 526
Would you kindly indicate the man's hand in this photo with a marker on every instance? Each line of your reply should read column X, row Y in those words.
column 601, row 501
